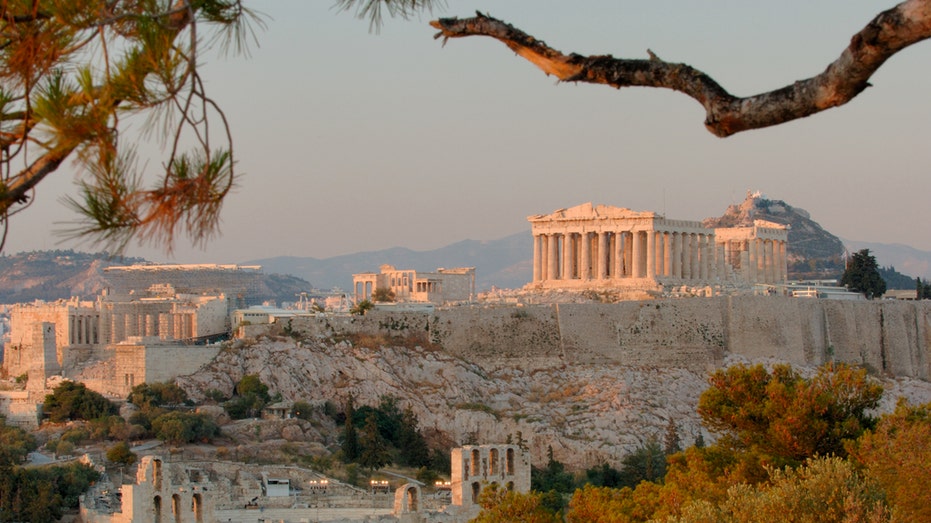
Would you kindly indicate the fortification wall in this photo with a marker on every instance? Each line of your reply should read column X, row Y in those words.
column 890, row 337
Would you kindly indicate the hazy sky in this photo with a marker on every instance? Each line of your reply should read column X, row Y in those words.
column 352, row 141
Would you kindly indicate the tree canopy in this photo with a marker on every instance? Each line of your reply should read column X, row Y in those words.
column 75, row 73
column 862, row 275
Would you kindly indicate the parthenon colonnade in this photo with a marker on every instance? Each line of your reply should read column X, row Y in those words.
column 601, row 246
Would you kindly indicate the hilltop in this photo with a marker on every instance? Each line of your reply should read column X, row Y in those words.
column 61, row 274
column 812, row 252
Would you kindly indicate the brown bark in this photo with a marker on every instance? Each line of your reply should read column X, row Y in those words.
column 726, row 114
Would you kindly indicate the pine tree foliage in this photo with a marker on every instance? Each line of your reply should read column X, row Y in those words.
column 77, row 75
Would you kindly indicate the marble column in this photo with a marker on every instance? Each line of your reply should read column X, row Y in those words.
column 567, row 253
column 603, row 255
column 677, row 255
column 537, row 258
column 552, row 257
column 618, row 250
column 586, row 269
column 637, row 252
column 651, row 254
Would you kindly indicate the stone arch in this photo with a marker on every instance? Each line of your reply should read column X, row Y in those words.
column 476, row 459
column 494, row 457
column 476, row 490
column 509, row 462
column 176, row 507
column 509, row 486
column 157, row 509
column 197, row 506
column 407, row 499
column 157, row 474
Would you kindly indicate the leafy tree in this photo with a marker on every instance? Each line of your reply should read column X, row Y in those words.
column 922, row 289
column 824, row 489
column 63, row 448
column 603, row 476
column 360, row 308
column 597, row 504
column 862, row 275
column 72, row 400
column 383, row 295
column 148, row 395
column 897, row 455
column 40, row 495
column 784, row 418
column 252, row 384
column 184, row 427
column 120, row 453
column 726, row 114
column 647, row 463
column 671, row 441
column 15, row 444
column 413, row 448
column 373, row 452
column 251, row 397
column 350, row 440
column 552, row 477
column 506, row 505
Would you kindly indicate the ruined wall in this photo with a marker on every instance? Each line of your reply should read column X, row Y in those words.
column 135, row 364
column 890, row 337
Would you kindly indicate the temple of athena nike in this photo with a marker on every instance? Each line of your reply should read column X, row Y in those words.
column 599, row 247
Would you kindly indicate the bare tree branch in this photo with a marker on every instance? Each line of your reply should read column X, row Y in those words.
column 726, row 114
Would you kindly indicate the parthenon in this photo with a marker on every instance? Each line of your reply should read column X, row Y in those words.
column 602, row 246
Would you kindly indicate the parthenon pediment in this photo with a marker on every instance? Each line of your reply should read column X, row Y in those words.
column 589, row 211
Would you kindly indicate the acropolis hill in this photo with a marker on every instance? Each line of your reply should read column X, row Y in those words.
column 594, row 380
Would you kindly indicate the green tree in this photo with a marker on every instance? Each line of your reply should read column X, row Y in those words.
column 672, row 443
column 862, row 275
column 350, row 440
column 15, row 444
column 551, row 477
column 360, row 308
column 646, row 463
column 148, row 395
column 120, row 453
column 373, row 452
column 72, row 400
column 178, row 427
column 413, row 449
column 250, row 398
column 383, row 295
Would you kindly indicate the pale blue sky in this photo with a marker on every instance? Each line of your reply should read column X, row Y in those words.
column 352, row 141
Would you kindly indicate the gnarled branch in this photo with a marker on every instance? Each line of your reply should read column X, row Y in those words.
column 726, row 114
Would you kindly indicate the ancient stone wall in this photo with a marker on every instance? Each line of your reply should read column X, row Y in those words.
column 889, row 337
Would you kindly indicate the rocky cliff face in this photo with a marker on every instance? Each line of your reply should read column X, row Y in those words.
column 593, row 381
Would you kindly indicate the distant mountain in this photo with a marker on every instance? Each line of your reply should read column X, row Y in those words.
column 504, row 263
column 61, row 274
column 53, row 275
